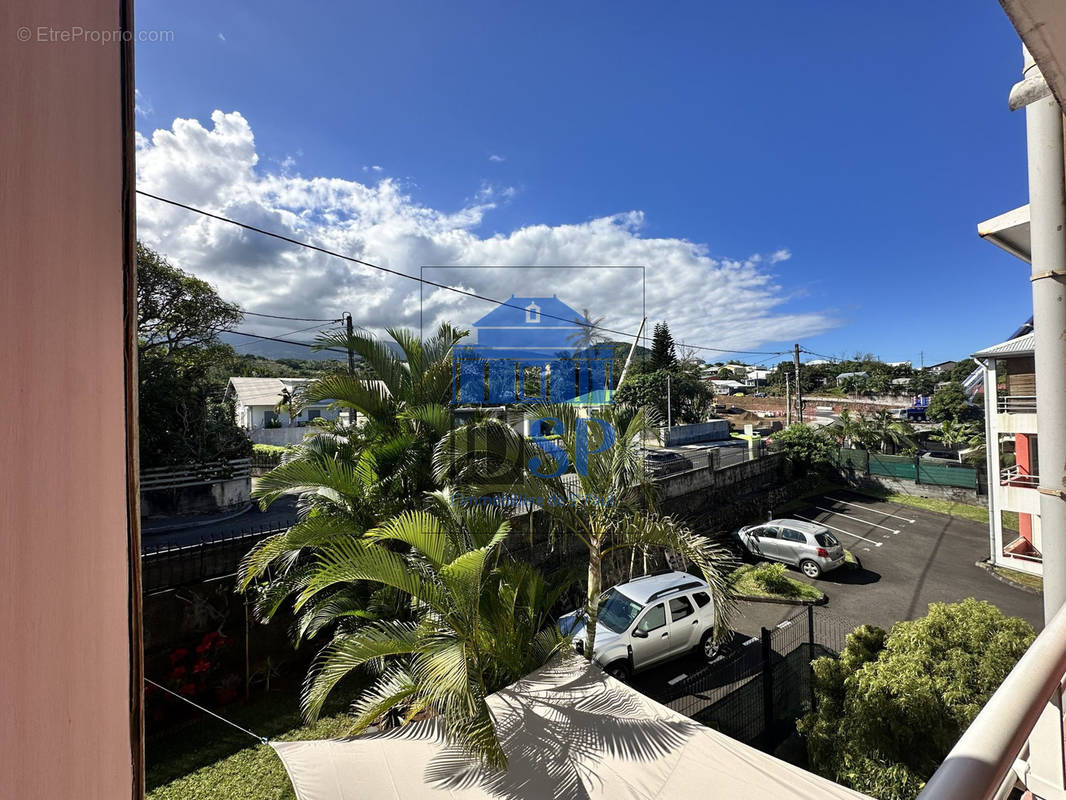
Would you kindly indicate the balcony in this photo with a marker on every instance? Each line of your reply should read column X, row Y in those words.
column 1016, row 742
column 1016, row 404
column 1016, row 476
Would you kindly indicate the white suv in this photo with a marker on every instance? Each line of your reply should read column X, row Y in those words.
column 647, row 621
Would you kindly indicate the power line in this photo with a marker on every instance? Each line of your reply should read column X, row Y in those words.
column 287, row 333
column 285, row 341
column 425, row 281
column 293, row 319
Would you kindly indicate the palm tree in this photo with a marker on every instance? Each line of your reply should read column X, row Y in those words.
column 607, row 504
column 957, row 434
column 403, row 399
column 888, row 433
column 286, row 404
column 586, row 335
column 846, row 430
column 472, row 628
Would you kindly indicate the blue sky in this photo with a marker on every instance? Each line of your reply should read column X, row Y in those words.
column 865, row 141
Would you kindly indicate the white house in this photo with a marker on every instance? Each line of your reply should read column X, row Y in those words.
column 255, row 401
column 725, row 386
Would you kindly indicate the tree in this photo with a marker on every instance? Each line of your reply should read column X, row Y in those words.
column 922, row 383
column 885, row 432
column 890, row 707
column 961, row 371
column 608, row 508
column 587, row 334
column 690, row 396
column 663, row 355
column 473, row 625
column 949, row 403
column 805, row 448
column 404, row 401
column 847, row 429
column 286, row 404
column 182, row 416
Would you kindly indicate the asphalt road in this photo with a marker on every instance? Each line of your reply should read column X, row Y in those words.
column 909, row 559
column 280, row 514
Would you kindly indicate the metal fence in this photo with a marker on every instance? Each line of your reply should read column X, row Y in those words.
column 929, row 471
column 173, row 565
column 757, row 691
column 177, row 477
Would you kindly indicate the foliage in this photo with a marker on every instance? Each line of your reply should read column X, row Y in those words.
column 771, row 580
column 472, row 628
column 806, row 449
column 922, row 383
column 690, row 396
column 182, row 416
column 961, row 371
column 663, row 354
column 885, row 432
column 609, row 508
column 957, row 435
column 949, row 403
column 587, row 334
column 890, row 707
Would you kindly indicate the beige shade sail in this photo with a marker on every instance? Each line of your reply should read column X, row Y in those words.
column 569, row 731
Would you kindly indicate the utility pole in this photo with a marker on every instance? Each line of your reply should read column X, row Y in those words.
column 351, row 333
column 799, row 392
column 1047, row 215
column 669, row 415
column 788, row 401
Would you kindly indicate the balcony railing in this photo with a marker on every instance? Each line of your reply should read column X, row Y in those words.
column 1016, row 476
column 1016, row 404
column 1016, row 742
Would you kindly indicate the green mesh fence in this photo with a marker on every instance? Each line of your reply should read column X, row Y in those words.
column 946, row 473
column 893, row 466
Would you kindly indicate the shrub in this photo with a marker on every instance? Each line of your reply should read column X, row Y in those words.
column 891, row 706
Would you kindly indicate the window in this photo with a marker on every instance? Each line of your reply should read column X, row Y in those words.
column 654, row 619
column 826, row 539
column 701, row 598
column 790, row 535
column 617, row 611
column 313, row 413
column 680, row 608
column 766, row 532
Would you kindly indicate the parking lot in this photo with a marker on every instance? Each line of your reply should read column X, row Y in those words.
column 908, row 557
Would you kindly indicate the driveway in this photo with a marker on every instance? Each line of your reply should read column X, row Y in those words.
column 909, row 559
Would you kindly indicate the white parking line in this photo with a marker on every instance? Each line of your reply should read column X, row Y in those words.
column 849, row 533
column 846, row 516
column 873, row 511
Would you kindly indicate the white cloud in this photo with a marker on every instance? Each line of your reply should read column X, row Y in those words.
column 142, row 106
column 372, row 168
column 719, row 302
column 221, row 38
column 497, row 158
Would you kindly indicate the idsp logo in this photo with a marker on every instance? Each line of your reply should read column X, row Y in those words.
column 539, row 350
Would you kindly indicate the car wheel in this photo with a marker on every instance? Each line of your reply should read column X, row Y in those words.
column 709, row 647
column 619, row 670
column 810, row 569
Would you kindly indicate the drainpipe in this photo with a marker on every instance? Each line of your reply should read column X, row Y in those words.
column 1047, row 215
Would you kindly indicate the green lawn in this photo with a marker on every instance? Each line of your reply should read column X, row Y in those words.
column 771, row 581
column 1024, row 578
column 209, row 760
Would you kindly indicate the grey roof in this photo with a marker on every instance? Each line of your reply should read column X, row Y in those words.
column 1020, row 346
column 262, row 391
column 640, row 589
column 799, row 525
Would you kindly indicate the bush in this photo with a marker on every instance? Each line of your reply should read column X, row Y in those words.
column 771, row 580
column 805, row 448
column 891, row 706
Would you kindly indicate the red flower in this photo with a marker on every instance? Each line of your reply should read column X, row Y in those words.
column 188, row 689
column 178, row 654
column 177, row 672
column 203, row 648
column 202, row 666
column 222, row 641
column 226, row 695
column 210, row 636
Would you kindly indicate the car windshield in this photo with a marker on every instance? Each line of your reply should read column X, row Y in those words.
column 617, row 611
column 826, row 539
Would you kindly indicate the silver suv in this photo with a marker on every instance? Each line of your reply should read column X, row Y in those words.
column 806, row 545
column 647, row 621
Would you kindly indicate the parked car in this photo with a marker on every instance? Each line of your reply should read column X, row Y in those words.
column 647, row 621
column 662, row 462
column 806, row 545
column 759, row 394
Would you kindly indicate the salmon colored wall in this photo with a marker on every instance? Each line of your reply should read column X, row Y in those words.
column 1021, row 453
column 67, row 721
column 1025, row 527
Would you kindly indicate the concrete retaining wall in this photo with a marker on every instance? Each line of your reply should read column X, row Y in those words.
column 279, row 436
column 953, row 493
column 714, row 430
column 206, row 498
